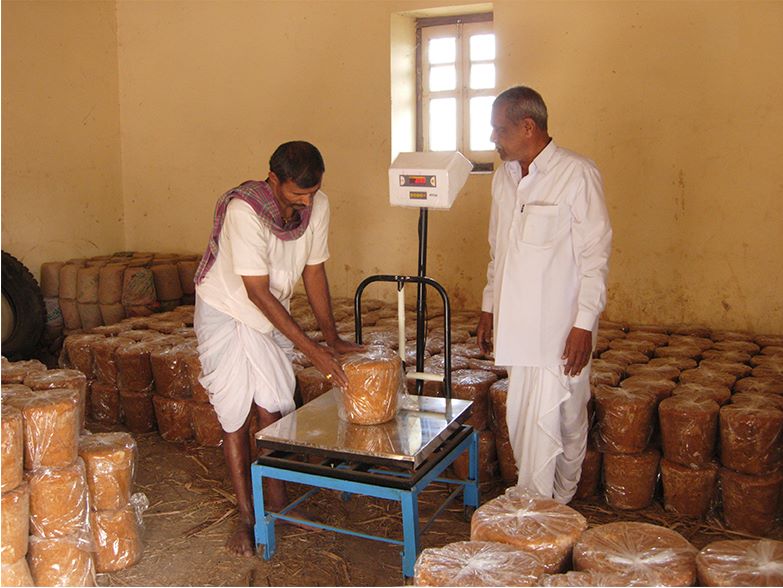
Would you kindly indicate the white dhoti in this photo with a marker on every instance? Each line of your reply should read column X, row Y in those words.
column 546, row 413
column 240, row 365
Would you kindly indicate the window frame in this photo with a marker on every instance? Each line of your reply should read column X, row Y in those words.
column 482, row 160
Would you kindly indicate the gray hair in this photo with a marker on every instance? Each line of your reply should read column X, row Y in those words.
column 524, row 102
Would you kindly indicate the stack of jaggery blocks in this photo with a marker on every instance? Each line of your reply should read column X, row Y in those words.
column 55, row 530
column 698, row 410
column 88, row 292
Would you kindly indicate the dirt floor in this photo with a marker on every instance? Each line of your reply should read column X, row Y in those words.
column 191, row 514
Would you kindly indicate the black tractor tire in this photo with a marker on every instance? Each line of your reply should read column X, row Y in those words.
column 27, row 312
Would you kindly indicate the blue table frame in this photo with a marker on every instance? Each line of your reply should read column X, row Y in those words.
column 401, row 486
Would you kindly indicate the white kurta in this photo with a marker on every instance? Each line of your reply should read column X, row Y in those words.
column 550, row 241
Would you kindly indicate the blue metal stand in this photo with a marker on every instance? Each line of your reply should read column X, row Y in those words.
column 401, row 486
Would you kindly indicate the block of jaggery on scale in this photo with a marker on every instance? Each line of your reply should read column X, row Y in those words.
column 625, row 419
column 689, row 491
column 741, row 562
column 689, row 428
column 659, row 555
column 374, row 386
column 477, row 563
column 530, row 523
column 750, row 437
column 630, row 479
column 750, row 502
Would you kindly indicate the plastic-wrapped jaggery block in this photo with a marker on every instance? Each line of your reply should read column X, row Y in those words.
column 625, row 419
column 741, row 562
column 134, row 371
column 678, row 351
column 740, row 370
column 374, row 384
column 624, row 357
column 64, row 561
column 746, row 346
column 58, row 500
column 474, row 385
column 606, row 372
column 681, row 363
column 531, row 523
column 590, row 578
column 117, row 539
column 704, row 375
column 750, row 503
column 487, row 458
column 170, row 373
column 63, row 378
column 640, row 345
column 12, row 467
column 175, row 421
column 78, row 352
column 760, row 400
column 16, row 574
column 206, row 426
column 726, row 356
column 689, row 428
column 138, row 412
column 193, row 369
column 312, row 384
column 750, row 438
column 435, row 364
column 488, row 365
column 15, row 523
column 104, row 364
column 506, row 461
column 51, row 427
column 756, row 384
column 590, row 478
column 689, row 491
column 659, row 387
column 630, row 479
column 105, row 403
column 110, row 464
column 14, row 372
column 659, row 372
column 640, row 549
column 719, row 394
column 477, row 563
column 700, row 339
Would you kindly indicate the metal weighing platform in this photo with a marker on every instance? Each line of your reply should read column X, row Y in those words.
column 395, row 461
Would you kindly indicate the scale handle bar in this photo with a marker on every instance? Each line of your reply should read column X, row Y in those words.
column 401, row 281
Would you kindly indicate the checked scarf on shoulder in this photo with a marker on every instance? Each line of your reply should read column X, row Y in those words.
column 259, row 196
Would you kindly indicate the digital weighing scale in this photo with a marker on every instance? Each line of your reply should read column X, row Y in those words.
column 396, row 460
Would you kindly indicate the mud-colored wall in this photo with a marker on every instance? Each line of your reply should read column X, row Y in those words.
column 61, row 191
column 677, row 102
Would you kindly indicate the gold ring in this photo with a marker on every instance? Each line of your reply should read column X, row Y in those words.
column 328, row 376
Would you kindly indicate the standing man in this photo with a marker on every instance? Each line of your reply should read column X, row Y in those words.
column 549, row 238
column 265, row 236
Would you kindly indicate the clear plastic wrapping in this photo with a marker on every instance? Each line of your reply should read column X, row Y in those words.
column 680, row 351
column 681, row 363
column 62, row 378
column 477, row 563
column 16, row 574
column 375, row 385
column 110, row 464
column 750, row 438
column 138, row 412
column 630, row 479
column 741, row 562
column 104, row 365
column 15, row 523
column 659, row 387
column 740, row 370
column 703, row 375
column 312, row 384
column 474, row 385
column 719, row 394
column 656, row 553
column 169, row 372
column 487, row 459
column 78, row 352
column 14, row 372
column 134, row 371
column 488, row 365
column 767, row 385
column 624, row 356
column 659, row 336
column 117, row 538
column 532, row 523
column 625, row 419
column 689, row 428
column 498, row 393
column 590, row 578
column 633, row 344
column 64, row 561
column 436, row 364
column 105, row 403
column 59, row 500
column 51, row 427
column 689, row 491
column 175, row 421
column 193, row 370
column 661, row 372
column 206, row 426
column 12, row 444
column 590, row 478
column 746, row 346
column 695, row 336
column 726, row 356
column 750, row 503
column 760, row 400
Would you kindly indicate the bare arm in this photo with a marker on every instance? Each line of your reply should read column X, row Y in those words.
column 484, row 332
column 317, row 288
column 258, row 291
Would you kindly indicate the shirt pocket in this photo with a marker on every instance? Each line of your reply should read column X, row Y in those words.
column 539, row 224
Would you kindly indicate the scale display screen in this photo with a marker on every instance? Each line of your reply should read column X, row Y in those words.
column 413, row 181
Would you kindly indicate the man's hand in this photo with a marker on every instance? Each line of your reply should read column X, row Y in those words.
column 325, row 360
column 578, row 348
column 484, row 333
column 341, row 346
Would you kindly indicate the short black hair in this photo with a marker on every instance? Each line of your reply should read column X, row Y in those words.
column 298, row 161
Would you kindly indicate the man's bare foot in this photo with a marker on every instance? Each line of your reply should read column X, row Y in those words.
column 242, row 540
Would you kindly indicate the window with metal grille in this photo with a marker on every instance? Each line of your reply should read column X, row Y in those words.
column 456, row 86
